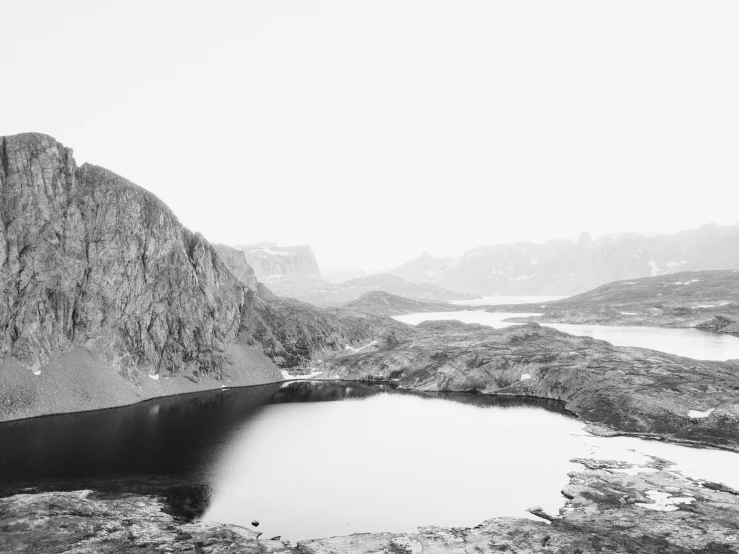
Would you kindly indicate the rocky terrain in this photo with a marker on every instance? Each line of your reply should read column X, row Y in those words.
column 623, row 390
column 701, row 299
column 611, row 507
column 564, row 268
column 103, row 288
column 108, row 300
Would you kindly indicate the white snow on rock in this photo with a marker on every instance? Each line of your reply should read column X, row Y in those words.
column 37, row 372
column 695, row 414
column 361, row 347
column 155, row 377
column 627, row 313
column 289, row 377
column 675, row 264
column 525, row 376
column 703, row 306
column 653, row 264
column 664, row 502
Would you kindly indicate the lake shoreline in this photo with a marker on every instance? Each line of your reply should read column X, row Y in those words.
column 647, row 508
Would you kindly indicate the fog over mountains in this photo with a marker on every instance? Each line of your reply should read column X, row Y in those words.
column 556, row 267
column 566, row 268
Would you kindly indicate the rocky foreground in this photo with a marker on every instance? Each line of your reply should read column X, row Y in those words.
column 700, row 299
column 622, row 390
column 611, row 507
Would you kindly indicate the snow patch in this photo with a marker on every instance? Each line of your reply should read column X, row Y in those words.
column 155, row 377
column 288, row 377
column 695, row 414
column 654, row 266
column 664, row 502
column 37, row 372
column 676, row 264
column 355, row 350
column 702, row 306
column 525, row 376
column 627, row 313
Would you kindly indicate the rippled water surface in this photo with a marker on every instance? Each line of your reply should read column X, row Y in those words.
column 315, row 459
column 693, row 343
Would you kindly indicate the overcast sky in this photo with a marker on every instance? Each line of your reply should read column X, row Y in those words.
column 374, row 130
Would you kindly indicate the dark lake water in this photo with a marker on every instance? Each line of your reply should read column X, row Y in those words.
column 316, row 459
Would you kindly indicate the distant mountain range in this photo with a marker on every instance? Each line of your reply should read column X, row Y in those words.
column 562, row 267
column 294, row 272
column 270, row 261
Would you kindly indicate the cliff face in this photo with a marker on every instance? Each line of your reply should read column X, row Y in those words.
column 289, row 262
column 236, row 262
column 89, row 259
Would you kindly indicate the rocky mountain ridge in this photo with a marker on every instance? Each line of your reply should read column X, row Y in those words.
column 97, row 272
column 564, row 268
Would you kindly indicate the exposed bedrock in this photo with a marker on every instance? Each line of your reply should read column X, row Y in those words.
column 89, row 256
column 89, row 260
column 629, row 390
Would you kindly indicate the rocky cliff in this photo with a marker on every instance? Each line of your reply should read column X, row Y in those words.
column 281, row 262
column 568, row 267
column 88, row 257
column 96, row 272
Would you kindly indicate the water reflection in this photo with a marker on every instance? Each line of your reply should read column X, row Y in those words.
column 315, row 459
column 391, row 462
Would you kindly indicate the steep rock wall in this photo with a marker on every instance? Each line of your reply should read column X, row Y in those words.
column 89, row 258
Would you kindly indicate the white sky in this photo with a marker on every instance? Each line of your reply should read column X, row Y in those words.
column 374, row 130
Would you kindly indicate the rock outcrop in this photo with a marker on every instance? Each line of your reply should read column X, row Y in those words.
column 644, row 508
column 96, row 271
column 627, row 390
column 88, row 257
